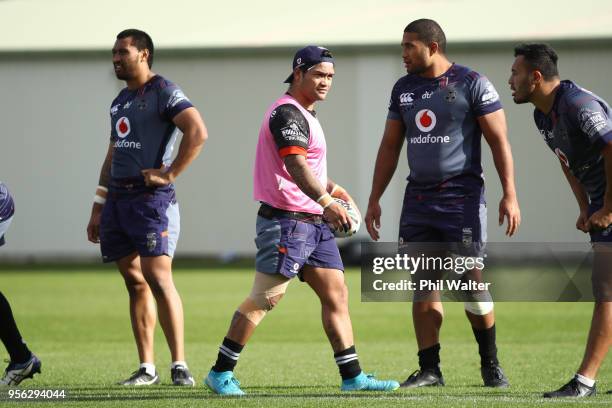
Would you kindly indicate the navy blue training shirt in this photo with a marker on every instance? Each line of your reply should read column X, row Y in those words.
column 142, row 131
column 442, row 132
column 576, row 129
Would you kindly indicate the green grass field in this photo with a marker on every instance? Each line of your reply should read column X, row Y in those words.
column 78, row 324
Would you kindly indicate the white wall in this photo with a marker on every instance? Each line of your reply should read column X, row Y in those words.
column 55, row 120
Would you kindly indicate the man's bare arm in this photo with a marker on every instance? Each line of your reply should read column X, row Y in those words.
column 194, row 131
column 495, row 131
column 303, row 177
column 386, row 163
column 93, row 227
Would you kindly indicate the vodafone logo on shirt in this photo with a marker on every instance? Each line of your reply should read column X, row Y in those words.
column 425, row 120
column 123, row 127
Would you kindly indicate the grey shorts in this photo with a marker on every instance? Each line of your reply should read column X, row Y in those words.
column 285, row 245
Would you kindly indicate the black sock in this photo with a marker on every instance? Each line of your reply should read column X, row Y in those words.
column 9, row 334
column 348, row 363
column 229, row 351
column 486, row 346
column 429, row 358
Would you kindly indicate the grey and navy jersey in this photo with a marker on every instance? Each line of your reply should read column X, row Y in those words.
column 576, row 129
column 442, row 131
column 142, row 131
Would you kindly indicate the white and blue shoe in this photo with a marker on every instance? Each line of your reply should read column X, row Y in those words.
column 16, row 373
column 367, row 382
column 140, row 378
column 223, row 383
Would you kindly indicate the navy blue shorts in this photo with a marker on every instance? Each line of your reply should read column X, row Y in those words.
column 285, row 245
column 457, row 219
column 147, row 223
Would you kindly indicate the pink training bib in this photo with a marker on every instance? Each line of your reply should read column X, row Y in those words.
column 272, row 183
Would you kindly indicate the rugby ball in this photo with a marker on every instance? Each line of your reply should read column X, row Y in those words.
column 355, row 217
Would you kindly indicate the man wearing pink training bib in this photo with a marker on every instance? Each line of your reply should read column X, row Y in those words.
column 294, row 237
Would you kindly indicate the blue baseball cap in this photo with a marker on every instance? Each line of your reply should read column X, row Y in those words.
column 308, row 57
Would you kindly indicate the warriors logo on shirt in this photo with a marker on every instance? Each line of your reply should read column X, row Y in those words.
column 425, row 120
column 177, row 97
column 591, row 122
column 451, row 95
column 490, row 94
column 123, row 127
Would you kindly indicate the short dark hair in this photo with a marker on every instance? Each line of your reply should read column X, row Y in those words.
column 140, row 40
column 539, row 56
column 428, row 31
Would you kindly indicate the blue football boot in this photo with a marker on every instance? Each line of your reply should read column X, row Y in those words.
column 367, row 382
column 223, row 383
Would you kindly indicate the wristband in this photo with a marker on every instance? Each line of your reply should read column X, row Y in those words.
column 101, row 193
column 99, row 199
column 322, row 197
column 325, row 200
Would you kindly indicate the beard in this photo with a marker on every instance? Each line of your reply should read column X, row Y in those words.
column 126, row 71
column 520, row 99
column 123, row 76
column 416, row 69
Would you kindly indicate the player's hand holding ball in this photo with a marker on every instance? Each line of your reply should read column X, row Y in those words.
column 342, row 197
column 339, row 192
column 354, row 218
column 336, row 216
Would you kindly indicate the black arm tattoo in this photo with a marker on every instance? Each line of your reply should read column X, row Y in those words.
column 302, row 176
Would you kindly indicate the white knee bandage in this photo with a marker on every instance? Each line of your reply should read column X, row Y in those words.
column 478, row 308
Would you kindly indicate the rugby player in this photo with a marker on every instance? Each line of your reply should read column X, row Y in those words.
column 23, row 363
column 441, row 109
column 576, row 126
column 135, row 215
column 293, row 226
